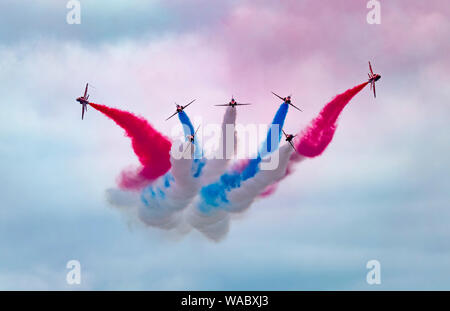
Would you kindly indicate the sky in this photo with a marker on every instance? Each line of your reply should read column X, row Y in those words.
column 380, row 190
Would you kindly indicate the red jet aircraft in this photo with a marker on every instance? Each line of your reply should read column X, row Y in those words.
column 191, row 139
column 289, row 138
column 83, row 100
column 233, row 103
column 179, row 109
column 287, row 100
column 373, row 77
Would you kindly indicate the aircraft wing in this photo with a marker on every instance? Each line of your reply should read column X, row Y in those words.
column 374, row 93
column 296, row 107
column 189, row 103
column 196, row 130
column 278, row 96
column 370, row 67
column 292, row 146
column 171, row 116
column 284, row 132
column 85, row 90
column 246, row 104
column 223, row 105
column 82, row 112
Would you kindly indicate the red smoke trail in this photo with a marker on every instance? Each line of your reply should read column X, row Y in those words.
column 150, row 146
column 316, row 137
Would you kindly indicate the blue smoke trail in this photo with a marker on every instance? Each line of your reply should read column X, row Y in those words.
column 277, row 125
column 214, row 195
column 268, row 146
column 188, row 128
column 153, row 193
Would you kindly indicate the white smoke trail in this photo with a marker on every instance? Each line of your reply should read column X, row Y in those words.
column 241, row 198
column 215, row 223
column 173, row 200
column 159, row 204
column 227, row 148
